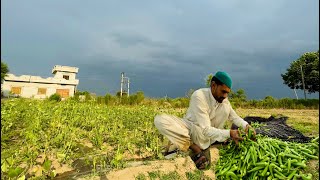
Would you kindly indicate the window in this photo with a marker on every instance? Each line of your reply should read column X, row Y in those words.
column 64, row 93
column 66, row 77
column 16, row 90
column 42, row 91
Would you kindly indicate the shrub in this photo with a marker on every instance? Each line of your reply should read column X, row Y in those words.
column 55, row 97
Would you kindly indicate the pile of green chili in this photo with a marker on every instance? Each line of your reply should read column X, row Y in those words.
column 265, row 158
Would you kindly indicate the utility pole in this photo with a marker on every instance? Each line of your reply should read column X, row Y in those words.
column 128, row 86
column 124, row 89
column 121, row 83
column 304, row 88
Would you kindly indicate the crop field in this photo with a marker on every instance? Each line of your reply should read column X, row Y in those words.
column 69, row 139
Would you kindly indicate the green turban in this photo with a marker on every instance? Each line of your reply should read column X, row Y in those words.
column 224, row 78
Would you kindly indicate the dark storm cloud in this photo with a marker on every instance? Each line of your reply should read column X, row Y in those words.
column 165, row 48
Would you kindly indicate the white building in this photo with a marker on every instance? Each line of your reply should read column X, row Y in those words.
column 64, row 83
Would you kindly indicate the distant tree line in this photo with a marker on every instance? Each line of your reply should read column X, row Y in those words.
column 238, row 99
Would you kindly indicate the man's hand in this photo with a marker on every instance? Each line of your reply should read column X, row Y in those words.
column 253, row 135
column 235, row 135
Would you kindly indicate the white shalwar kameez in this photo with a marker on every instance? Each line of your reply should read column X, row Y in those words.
column 203, row 123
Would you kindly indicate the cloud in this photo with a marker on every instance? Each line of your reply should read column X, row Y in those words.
column 165, row 47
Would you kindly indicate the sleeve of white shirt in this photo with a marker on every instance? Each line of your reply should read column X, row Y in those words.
column 201, row 116
column 237, row 120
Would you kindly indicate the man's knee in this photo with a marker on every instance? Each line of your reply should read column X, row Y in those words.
column 163, row 122
column 158, row 120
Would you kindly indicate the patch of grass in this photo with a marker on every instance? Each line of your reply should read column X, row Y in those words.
column 146, row 162
column 158, row 175
column 170, row 176
column 313, row 168
column 197, row 174
column 306, row 125
column 303, row 129
column 141, row 176
column 154, row 174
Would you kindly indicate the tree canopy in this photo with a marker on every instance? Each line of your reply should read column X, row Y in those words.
column 240, row 94
column 208, row 80
column 4, row 70
column 310, row 67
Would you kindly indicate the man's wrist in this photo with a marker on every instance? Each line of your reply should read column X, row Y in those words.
column 246, row 125
column 226, row 133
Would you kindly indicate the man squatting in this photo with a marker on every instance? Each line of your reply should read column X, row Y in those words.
column 203, row 123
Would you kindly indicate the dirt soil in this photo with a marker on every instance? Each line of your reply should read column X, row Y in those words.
column 181, row 165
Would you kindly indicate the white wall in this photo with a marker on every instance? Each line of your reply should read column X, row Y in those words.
column 59, row 75
column 30, row 90
column 38, row 79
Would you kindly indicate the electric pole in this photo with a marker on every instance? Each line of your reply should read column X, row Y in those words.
column 124, row 86
column 304, row 88
column 121, row 83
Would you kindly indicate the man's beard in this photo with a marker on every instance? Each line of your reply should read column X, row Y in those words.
column 219, row 99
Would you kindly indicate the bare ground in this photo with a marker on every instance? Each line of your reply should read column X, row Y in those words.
column 180, row 165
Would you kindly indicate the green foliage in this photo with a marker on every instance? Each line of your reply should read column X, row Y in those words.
column 135, row 99
column 118, row 94
column 154, row 175
column 180, row 102
column 238, row 98
column 109, row 99
column 197, row 174
column 287, row 103
column 55, row 97
column 141, row 177
column 310, row 66
column 158, row 175
column 170, row 176
column 240, row 94
column 208, row 80
column 31, row 128
column 4, row 70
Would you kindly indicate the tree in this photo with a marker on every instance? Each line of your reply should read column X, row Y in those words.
column 4, row 70
column 240, row 95
column 310, row 67
column 140, row 96
column 208, row 80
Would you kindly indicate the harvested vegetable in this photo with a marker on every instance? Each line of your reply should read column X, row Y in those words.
column 265, row 158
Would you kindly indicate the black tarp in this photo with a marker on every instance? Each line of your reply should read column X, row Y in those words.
column 276, row 127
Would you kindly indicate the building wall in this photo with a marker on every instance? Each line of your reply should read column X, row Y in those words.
column 30, row 90
column 59, row 75
column 38, row 79
column 37, row 87
column 59, row 68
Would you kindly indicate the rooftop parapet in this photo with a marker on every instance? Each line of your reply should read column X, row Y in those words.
column 64, row 69
column 38, row 79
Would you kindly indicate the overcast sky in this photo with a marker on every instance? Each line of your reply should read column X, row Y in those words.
column 164, row 47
